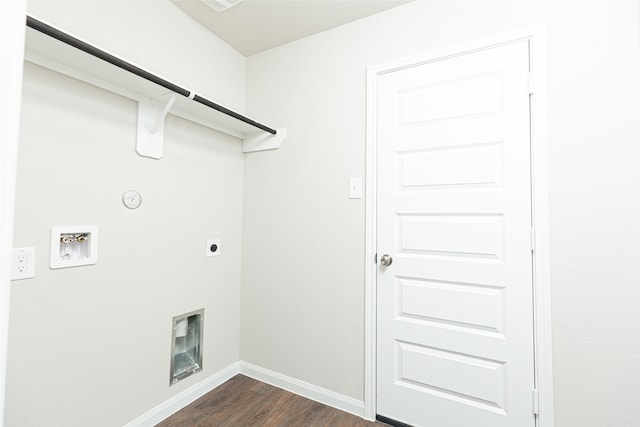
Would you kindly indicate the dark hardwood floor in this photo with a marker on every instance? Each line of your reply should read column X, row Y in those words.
column 244, row 402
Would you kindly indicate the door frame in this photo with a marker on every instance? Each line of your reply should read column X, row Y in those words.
column 543, row 378
column 12, row 27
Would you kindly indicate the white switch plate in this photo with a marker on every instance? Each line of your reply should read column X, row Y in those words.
column 213, row 247
column 23, row 263
column 355, row 188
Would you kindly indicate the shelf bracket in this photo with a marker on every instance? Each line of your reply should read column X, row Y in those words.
column 151, row 116
column 262, row 141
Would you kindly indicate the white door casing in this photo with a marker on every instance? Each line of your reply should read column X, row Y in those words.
column 454, row 198
column 12, row 22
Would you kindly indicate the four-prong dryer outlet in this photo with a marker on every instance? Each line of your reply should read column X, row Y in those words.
column 213, row 247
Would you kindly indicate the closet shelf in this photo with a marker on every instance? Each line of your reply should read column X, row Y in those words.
column 57, row 50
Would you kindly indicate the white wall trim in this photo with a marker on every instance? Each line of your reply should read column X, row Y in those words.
column 12, row 24
column 540, row 194
column 179, row 401
column 370, row 295
column 304, row 389
column 542, row 254
column 301, row 388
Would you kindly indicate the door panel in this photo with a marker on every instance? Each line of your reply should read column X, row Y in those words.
column 455, row 307
column 479, row 382
column 445, row 304
column 460, row 166
column 479, row 236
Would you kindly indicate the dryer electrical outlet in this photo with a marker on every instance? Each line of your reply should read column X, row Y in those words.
column 213, row 247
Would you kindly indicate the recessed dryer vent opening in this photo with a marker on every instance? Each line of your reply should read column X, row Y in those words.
column 186, row 345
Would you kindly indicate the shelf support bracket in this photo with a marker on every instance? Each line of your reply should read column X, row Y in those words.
column 151, row 116
column 262, row 141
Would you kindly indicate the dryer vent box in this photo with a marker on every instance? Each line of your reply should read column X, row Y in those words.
column 73, row 246
column 186, row 345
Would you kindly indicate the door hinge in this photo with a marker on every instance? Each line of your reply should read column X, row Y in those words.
column 533, row 239
column 536, row 402
column 531, row 81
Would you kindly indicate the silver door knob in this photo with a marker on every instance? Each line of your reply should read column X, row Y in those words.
column 386, row 260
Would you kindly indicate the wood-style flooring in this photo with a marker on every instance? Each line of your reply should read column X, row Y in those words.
column 244, row 402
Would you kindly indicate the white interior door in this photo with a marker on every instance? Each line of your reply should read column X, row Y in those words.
column 455, row 306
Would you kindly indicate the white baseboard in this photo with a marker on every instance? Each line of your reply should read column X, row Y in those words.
column 304, row 389
column 310, row 391
column 179, row 401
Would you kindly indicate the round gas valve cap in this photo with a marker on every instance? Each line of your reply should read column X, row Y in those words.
column 132, row 199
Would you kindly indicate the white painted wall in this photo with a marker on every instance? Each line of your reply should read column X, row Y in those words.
column 11, row 53
column 89, row 346
column 303, row 241
column 157, row 36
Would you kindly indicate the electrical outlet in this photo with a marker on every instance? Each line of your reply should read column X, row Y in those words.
column 23, row 263
column 213, row 247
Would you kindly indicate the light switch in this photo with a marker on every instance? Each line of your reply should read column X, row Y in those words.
column 355, row 188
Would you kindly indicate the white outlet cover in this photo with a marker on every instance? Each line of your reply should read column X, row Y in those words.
column 218, row 247
column 23, row 263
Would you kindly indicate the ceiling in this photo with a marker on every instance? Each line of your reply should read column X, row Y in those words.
column 254, row 26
